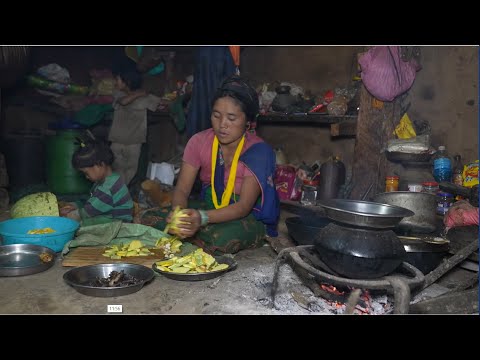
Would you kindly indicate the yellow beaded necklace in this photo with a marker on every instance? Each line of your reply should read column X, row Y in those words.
column 227, row 194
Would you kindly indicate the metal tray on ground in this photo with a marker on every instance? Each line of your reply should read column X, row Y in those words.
column 232, row 265
column 25, row 259
column 80, row 278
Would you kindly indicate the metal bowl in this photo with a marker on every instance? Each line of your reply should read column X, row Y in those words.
column 424, row 205
column 232, row 265
column 81, row 277
column 398, row 156
column 364, row 213
column 24, row 259
column 425, row 252
column 304, row 229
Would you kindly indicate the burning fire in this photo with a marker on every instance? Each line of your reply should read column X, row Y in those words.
column 332, row 289
column 364, row 303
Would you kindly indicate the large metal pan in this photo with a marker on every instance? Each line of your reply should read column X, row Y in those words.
column 364, row 213
column 424, row 205
column 25, row 259
column 425, row 253
column 81, row 278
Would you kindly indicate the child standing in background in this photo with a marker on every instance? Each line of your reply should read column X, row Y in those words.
column 109, row 198
column 129, row 127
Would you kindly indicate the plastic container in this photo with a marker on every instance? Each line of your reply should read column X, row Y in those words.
column 444, row 201
column 415, row 187
column 442, row 165
column 391, row 183
column 15, row 231
column 62, row 177
column 430, row 187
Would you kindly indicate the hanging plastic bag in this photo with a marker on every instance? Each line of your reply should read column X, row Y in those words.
column 385, row 74
column 405, row 130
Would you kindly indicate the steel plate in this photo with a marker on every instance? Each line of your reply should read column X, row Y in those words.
column 232, row 265
column 81, row 277
column 24, row 259
column 364, row 213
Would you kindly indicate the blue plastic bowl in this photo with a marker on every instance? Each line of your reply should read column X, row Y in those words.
column 14, row 231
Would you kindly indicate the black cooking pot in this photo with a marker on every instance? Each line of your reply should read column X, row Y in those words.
column 303, row 230
column 359, row 253
column 424, row 254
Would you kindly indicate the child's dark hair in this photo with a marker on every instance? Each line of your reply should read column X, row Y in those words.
column 92, row 153
column 132, row 78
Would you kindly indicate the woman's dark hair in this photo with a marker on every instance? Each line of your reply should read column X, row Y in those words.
column 246, row 96
column 92, row 153
column 132, row 78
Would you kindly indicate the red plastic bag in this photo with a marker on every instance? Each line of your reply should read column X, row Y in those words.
column 462, row 213
column 284, row 181
column 385, row 74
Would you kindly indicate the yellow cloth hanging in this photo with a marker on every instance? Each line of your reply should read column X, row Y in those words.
column 227, row 193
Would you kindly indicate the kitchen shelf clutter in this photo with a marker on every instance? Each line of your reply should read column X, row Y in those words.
column 339, row 125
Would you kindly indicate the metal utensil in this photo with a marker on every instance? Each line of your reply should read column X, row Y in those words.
column 423, row 205
column 232, row 265
column 25, row 259
column 364, row 196
column 364, row 213
column 80, row 278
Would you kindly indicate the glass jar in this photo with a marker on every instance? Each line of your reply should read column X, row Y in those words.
column 391, row 183
column 309, row 195
column 431, row 187
column 444, row 201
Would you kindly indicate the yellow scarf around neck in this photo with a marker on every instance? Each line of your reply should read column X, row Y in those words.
column 227, row 194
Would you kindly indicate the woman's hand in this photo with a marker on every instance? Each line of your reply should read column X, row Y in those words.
column 188, row 225
column 65, row 210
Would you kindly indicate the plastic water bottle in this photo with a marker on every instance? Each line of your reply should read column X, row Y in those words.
column 442, row 165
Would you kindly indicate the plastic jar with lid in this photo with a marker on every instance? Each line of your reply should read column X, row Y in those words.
column 444, row 201
column 430, row 187
column 391, row 183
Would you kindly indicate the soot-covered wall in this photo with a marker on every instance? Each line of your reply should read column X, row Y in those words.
column 445, row 93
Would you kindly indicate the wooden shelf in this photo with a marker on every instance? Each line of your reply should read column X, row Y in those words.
column 303, row 118
column 345, row 125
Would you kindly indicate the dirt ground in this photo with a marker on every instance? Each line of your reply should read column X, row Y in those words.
column 243, row 291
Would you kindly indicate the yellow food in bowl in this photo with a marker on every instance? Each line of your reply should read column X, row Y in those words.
column 46, row 230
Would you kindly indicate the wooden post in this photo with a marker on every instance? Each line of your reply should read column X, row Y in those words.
column 374, row 128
